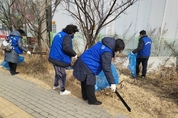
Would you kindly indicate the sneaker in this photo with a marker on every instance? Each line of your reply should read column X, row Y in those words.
column 66, row 92
column 56, row 87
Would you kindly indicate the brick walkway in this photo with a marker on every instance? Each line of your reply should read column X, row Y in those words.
column 32, row 100
column 9, row 110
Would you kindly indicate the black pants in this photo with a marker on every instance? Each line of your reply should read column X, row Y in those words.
column 88, row 92
column 144, row 62
column 12, row 67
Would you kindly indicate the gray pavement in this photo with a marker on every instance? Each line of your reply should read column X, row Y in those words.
column 43, row 103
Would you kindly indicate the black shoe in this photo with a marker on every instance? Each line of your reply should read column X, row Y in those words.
column 84, row 98
column 96, row 103
column 14, row 73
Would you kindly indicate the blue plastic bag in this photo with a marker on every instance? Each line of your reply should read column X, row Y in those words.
column 101, row 81
column 6, row 65
column 132, row 64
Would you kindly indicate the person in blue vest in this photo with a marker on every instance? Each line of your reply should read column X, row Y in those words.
column 143, row 53
column 60, row 55
column 92, row 62
column 12, row 57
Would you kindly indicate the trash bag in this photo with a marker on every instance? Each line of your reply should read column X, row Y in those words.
column 101, row 81
column 6, row 65
column 132, row 64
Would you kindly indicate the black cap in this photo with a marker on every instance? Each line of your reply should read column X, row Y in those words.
column 70, row 29
column 143, row 32
column 22, row 32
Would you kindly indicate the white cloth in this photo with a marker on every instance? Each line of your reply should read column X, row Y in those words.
column 113, row 87
column 28, row 52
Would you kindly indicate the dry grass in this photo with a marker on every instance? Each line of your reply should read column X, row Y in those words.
column 153, row 97
column 38, row 67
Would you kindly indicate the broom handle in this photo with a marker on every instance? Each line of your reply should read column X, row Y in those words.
column 43, row 53
column 125, row 104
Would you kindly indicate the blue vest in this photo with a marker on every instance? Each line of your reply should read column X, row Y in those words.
column 145, row 52
column 56, row 51
column 92, row 57
column 15, row 44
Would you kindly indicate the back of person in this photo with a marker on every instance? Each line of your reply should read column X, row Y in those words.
column 146, row 50
column 143, row 51
column 56, row 51
column 92, row 57
column 91, row 62
column 60, row 56
column 12, row 57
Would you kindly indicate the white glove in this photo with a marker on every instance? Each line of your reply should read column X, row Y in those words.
column 76, row 56
column 28, row 52
column 113, row 87
column 73, row 60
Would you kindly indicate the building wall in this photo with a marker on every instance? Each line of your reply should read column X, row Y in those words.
column 160, row 15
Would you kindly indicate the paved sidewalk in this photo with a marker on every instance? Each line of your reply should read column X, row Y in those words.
column 42, row 103
column 9, row 110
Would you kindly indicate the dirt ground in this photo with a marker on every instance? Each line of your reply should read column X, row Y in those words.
column 153, row 97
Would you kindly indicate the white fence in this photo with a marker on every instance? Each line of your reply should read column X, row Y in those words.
column 154, row 63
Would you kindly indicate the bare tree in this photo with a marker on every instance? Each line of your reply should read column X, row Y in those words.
column 93, row 15
column 34, row 14
column 9, row 15
column 38, row 16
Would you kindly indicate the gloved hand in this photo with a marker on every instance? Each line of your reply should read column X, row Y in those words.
column 73, row 60
column 113, row 87
column 76, row 56
column 28, row 52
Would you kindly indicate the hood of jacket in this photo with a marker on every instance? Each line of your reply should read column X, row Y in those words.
column 16, row 33
column 109, row 42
